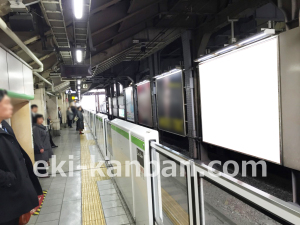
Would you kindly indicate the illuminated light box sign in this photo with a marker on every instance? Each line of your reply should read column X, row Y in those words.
column 114, row 102
column 144, row 104
column 122, row 113
column 240, row 100
column 109, row 106
column 170, row 102
column 121, row 101
column 129, row 104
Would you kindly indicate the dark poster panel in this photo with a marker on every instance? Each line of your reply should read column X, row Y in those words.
column 144, row 104
column 129, row 104
column 170, row 103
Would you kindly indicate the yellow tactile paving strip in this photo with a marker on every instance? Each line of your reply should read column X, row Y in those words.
column 173, row 210
column 92, row 212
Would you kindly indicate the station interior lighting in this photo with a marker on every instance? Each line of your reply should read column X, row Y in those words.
column 226, row 49
column 143, row 82
column 266, row 33
column 78, row 82
column 79, row 55
column 167, row 73
column 78, row 8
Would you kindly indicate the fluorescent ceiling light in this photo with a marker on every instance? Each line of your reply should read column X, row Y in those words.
column 205, row 58
column 174, row 70
column 78, row 87
column 252, row 39
column 167, row 73
column 78, row 8
column 143, row 82
column 225, row 49
column 96, row 90
column 79, row 56
column 79, row 82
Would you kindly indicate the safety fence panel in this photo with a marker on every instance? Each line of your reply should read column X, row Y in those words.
column 212, row 197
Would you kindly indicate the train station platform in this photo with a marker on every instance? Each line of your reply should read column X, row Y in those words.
column 89, row 195
column 78, row 198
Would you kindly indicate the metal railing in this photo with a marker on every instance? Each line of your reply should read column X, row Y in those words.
column 213, row 195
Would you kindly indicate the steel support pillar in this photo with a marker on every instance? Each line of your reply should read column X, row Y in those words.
column 117, row 94
column 189, row 89
column 111, row 89
column 153, row 66
column 290, row 9
column 107, row 95
column 296, row 187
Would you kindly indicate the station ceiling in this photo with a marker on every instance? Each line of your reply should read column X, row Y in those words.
column 116, row 31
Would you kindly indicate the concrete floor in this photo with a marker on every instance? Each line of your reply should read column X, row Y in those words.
column 62, row 205
column 63, row 202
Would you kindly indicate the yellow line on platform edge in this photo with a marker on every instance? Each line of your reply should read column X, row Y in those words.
column 92, row 212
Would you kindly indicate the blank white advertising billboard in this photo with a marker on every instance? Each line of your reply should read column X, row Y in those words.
column 240, row 100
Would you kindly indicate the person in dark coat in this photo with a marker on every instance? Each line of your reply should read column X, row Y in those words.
column 80, row 121
column 34, row 110
column 60, row 115
column 70, row 116
column 42, row 147
column 49, row 123
column 19, row 186
column 74, row 110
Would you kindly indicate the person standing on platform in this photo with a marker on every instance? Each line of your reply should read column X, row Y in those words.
column 60, row 115
column 74, row 110
column 19, row 187
column 49, row 123
column 42, row 146
column 34, row 110
column 70, row 116
column 80, row 121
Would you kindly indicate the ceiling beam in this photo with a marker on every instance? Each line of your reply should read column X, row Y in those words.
column 124, row 18
column 42, row 58
column 232, row 11
column 125, row 31
column 30, row 40
column 104, row 6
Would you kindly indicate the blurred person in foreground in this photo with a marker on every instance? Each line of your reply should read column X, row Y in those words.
column 19, row 187
column 80, row 121
column 42, row 146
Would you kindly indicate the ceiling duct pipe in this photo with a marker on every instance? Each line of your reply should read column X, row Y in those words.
column 15, row 38
column 44, row 79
